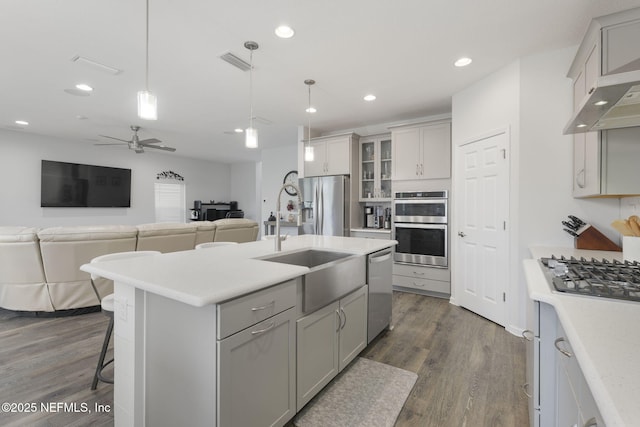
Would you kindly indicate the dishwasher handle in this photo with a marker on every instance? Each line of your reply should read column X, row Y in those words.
column 380, row 257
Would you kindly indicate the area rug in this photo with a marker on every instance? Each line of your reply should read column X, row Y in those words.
column 365, row 394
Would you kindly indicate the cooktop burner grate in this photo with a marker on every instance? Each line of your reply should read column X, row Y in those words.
column 599, row 278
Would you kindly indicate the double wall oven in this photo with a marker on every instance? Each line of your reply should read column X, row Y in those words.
column 420, row 227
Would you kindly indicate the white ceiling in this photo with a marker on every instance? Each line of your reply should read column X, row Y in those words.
column 402, row 51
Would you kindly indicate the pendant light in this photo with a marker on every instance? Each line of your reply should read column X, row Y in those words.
column 251, row 133
column 308, row 150
column 147, row 102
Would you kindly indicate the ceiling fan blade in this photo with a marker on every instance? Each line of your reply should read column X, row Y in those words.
column 149, row 141
column 161, row 147
column 117, row 139
column 111, row 143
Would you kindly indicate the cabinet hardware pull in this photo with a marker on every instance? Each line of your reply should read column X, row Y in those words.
column 561, row 350
column 345, row 318
column 525, row 387
column 417, row 168
column 418, row 273
column 380, row 258
column 528, row 334
column 264, row 306
column 339, row 319
column 461, row 234
column 418, row 284
column 580, row 178
column 591, row 90
column 591, row 422
column 421, row 169
column 262, row 331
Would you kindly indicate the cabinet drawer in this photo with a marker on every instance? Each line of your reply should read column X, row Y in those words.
column 248, row 310
column 422, row 284
column 419, row 272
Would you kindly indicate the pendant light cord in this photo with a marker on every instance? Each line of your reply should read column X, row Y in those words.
column 250, row 88
column 146, row 75
column 309, row 125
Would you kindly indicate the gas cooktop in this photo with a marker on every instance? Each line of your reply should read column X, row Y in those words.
column 598, row 278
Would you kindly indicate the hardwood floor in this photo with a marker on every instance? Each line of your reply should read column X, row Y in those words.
column 470, row 370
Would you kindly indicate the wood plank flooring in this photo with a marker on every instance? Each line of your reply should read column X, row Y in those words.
column 470, row 370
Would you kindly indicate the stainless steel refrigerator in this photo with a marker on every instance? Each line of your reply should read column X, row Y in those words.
column 325, row 205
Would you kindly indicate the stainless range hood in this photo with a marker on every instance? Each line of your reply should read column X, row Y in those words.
column 613, row 103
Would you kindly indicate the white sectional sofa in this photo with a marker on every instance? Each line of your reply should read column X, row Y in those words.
column 40, row 269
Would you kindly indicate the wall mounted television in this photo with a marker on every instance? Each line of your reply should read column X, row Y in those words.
column 84, row 186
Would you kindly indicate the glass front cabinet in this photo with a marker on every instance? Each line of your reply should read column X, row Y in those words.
column 375, row 168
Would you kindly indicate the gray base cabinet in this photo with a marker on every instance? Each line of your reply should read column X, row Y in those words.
column 257, row 374
column 558, row 393
column 327, row 340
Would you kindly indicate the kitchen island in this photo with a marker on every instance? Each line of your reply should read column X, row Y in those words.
column 184, row 350
column 604, row 340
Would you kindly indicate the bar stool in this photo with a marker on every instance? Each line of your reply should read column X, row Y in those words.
column 107, row 305
column 214, row 244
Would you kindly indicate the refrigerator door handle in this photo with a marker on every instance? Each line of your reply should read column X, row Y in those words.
column 321, row 210
column 317, row 213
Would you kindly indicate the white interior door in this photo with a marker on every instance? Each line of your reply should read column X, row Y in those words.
column 482, row 193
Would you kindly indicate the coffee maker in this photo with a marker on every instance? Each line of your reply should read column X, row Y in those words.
column 369, row 217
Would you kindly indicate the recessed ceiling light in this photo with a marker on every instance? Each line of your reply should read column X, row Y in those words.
column 581, row 125
column 22, row 122
column 76, row 92
column 238, row 130
column 284, row 32
column 462, row 62
column 600, row 103
column 84, row 87
column 311, row 110
column 81, row 117
column 370, row 97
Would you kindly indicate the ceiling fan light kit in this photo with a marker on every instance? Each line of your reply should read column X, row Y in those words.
column 147, row 102
column 138, row 145
column 251, row 133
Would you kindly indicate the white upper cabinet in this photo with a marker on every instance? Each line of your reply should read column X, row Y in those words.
column 332, row 155
column 422, row 151
column 375, row 168
column 599, row 166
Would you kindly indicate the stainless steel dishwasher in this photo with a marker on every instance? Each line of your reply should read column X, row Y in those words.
column 379, row 265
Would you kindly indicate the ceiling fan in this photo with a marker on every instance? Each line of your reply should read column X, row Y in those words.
column 137, row 144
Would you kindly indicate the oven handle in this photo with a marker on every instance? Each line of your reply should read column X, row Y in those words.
column 425, row 226
column 419, row 201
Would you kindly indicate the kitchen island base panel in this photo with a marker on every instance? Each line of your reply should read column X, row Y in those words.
column 153, row 378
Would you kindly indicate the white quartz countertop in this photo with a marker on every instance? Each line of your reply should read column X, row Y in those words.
column 210, row 276
column 604, row 334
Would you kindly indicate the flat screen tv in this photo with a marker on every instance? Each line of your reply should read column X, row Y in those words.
column 84, row 186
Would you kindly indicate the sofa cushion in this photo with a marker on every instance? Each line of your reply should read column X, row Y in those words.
column 87, row 232
column 18, row 234
column 238, row 230
column 166, row 237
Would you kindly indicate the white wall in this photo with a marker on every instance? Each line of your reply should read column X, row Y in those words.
column 20, row 160
column 244, row 177
column 533, row 98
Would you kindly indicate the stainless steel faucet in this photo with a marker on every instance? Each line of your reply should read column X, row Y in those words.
column 277, row 236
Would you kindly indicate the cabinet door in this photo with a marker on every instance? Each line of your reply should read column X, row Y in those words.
column 386, row 168
column 618, row 53
column 436, row 151
column 567, row 406
column 368, row 170
column 353, row 326
column 317, row 167
column 406, row 150
column 586, row 164
column 256, row 374
column 317, row 345
column 338, row 156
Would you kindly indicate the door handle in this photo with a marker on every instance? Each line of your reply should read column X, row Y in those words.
column 461, row 234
